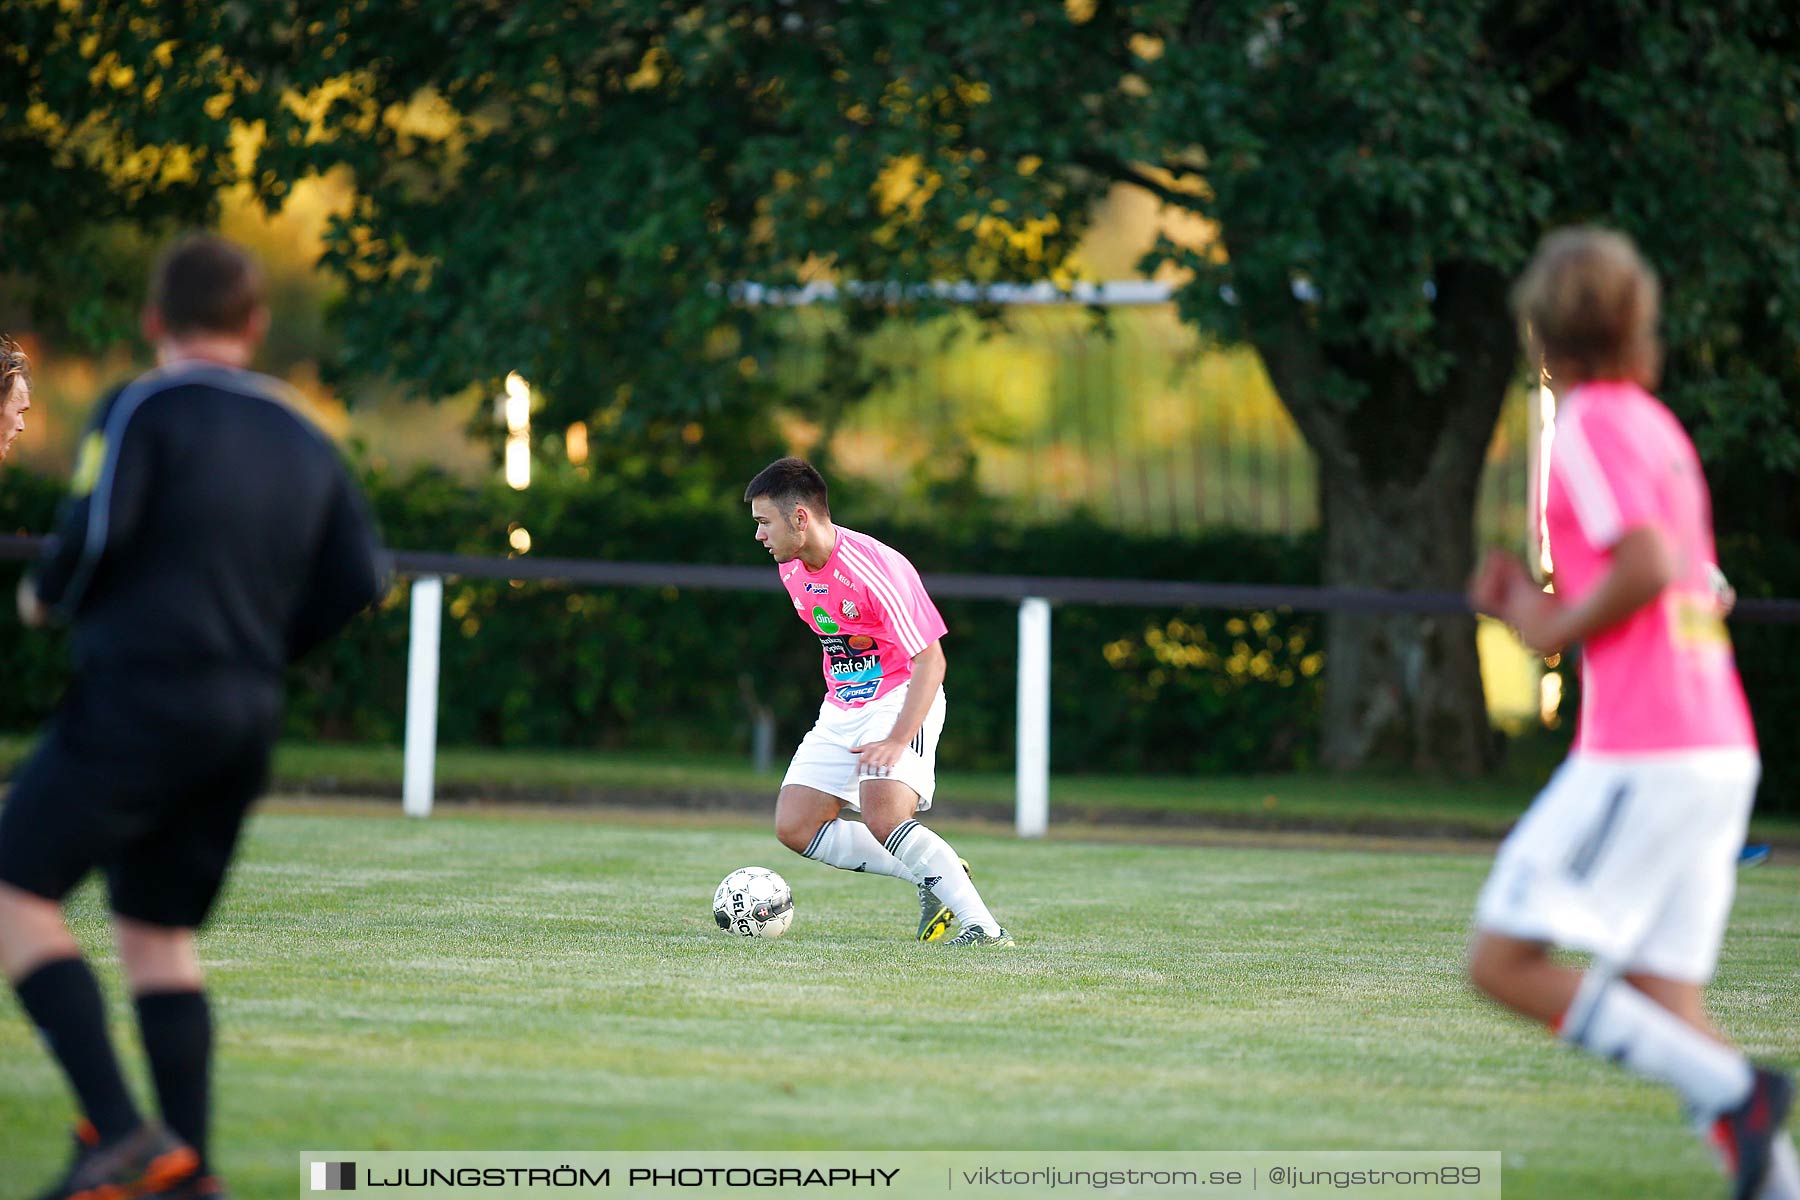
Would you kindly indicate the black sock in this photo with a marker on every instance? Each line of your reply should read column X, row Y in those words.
column 177, row 1029
column 62, row 998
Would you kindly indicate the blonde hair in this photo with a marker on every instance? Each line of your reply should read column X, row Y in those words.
column 1588, row 304
column 13, row 365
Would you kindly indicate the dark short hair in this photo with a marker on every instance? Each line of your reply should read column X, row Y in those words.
column 13, row 365
column 790, row 481
column 206, row 284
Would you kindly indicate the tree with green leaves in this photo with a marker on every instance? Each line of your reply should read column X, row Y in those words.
column 1379, row 173
column 116, row 128
column 579, row 192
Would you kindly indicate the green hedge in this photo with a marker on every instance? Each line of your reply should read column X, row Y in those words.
column 539, row 665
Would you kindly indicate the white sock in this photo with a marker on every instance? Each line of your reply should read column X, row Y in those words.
column 1783, row 1180
column 1612, row 1019
column 850, row 846
column 935, row 865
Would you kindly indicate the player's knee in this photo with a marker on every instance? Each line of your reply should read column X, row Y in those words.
column 881, row 825
column 796, row 833
column 1492, row 963
column 32, row 932
column 157, row 958
column 1484, row 966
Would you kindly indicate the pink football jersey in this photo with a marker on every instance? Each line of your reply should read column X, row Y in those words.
column 1665, row 677
column 871, row 615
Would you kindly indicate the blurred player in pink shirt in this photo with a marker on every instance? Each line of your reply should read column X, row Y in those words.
column 874, row 746
column 1630, row 853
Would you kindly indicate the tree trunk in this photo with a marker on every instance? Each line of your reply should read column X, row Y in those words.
column 1402, row 690
column 1399, row 470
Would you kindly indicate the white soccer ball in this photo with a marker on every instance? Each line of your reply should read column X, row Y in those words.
column 754, row 902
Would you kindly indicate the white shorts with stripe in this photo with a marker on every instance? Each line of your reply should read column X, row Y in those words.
column 1631, row 858
column 824, row 762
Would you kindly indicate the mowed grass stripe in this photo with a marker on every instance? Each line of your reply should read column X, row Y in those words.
column 489, row 982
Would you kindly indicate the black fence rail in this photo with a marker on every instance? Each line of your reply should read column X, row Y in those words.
column 1140, row 593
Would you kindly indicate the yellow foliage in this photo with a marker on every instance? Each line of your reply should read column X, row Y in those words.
column 973, row 92
column 311, row 106
column 1175, row 652
column 905, row 187
column 722, row 341
column 651, row 69
column 1025, row 238
column 427, row 115
column 40, row 120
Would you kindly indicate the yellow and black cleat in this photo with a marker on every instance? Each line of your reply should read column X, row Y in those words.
column 977, row 938
column 934, row 915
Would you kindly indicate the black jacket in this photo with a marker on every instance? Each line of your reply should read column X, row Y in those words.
column 209, row 524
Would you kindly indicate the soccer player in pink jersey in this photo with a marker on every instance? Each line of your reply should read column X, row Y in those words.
column 874, row 747
column 1629, row 854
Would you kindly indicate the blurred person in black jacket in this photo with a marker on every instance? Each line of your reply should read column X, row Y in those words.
column 211, row 536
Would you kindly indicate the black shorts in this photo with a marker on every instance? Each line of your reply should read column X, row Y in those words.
column 148, row 778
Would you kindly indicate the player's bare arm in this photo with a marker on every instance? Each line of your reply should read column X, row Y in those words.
column 1641, row 567
column 929, row 667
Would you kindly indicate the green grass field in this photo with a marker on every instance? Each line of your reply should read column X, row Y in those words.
column 535, row 980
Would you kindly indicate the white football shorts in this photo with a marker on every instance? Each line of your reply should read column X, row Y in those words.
column 1631, row 858
column 824, row 761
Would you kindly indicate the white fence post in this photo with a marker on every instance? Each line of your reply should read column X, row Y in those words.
column 1033, row 789
column 422, row 695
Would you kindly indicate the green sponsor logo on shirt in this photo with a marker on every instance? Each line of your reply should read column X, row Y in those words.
column 823, row 620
